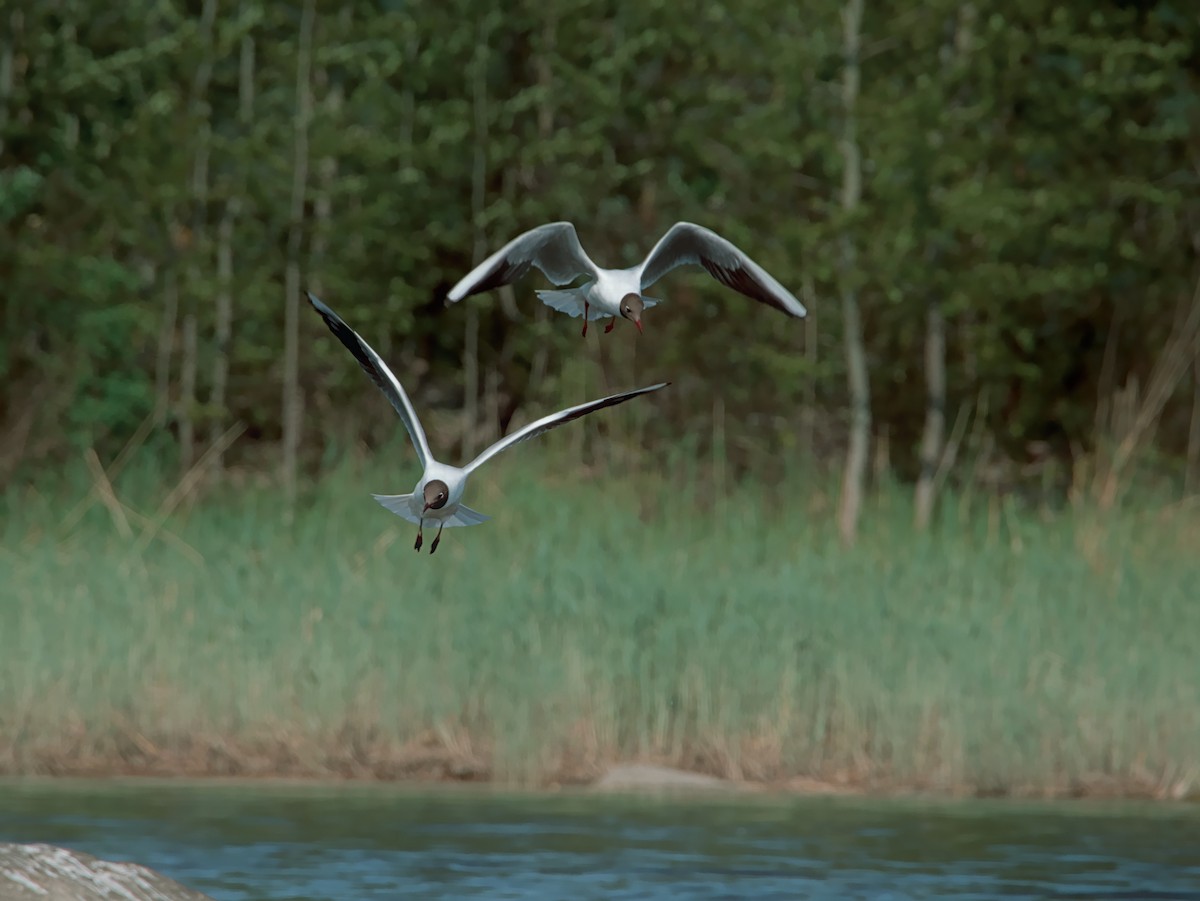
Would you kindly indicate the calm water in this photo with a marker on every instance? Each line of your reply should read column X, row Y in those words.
column 376, row 842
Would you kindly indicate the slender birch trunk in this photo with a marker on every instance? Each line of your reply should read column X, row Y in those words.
column 932, row 436
column 187, row 393
column 292, row 397
column 407, row 168
column 808, row 409
column 8, row 50
column 854, row 477
column 1192, row 476
column 327, row 170
column 954, row 53
column 246, row 68
column 226, row 237
column 478, row 205
column 322, row 204
column 200, row 120
column 223, row 331
column 545, row 125
column 166, row 345
column 71, row 120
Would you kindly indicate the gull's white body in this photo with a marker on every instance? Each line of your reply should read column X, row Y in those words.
column 601, row 297
column 453, row 512
column 555, row 250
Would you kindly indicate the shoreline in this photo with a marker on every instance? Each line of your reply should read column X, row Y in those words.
column 669, row 780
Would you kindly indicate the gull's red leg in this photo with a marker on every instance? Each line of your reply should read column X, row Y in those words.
column 608, row 328
column 437, row 538
column 585, row 315
column 420, row 528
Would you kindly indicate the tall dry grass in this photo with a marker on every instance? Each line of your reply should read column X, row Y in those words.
column 600, row 616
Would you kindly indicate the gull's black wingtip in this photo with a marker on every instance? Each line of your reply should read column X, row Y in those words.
column 648, row 389
column 331, row 318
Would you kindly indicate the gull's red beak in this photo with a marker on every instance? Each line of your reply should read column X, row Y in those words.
column 427, row 506
column 638, row 323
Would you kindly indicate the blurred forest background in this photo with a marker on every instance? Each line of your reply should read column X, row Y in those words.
column 991, row 209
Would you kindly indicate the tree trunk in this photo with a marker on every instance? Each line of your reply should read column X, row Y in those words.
column 808, row 409
column 71, row 120
column 246, row 82
column 224, row 327
column 407, row 170
column 935, row 410
column 470, row 366
column 470, row 362
column 545, row 122
column 166, row 346
column 201, row 122
column 491, row 405
column 322, row 212
column 187, row 393
column 954, row 51
column 7, row 55
column 292, row 398
column 854, row 477
column 408, row 107
column 1192, row 477
column 327, row 170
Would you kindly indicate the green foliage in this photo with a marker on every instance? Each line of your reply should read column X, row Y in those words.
column 18, row 191
column 652, row 618
column 111, row 390
column 1030, row 167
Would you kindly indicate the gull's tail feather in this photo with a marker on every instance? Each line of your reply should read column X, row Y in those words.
column 569, row 301
column 465, row 516
column 400, row 504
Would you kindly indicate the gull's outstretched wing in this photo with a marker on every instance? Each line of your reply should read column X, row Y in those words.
column 552, row 248
column 686, row 243
column 383, row 378
column 546, row 423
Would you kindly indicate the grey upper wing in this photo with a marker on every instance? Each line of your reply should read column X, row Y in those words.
column 686, row 243
column 383, row 378
column 553, row 248
column 546, row 423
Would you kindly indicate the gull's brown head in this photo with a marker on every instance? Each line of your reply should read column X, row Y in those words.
column 631, row 309
column 437, row 493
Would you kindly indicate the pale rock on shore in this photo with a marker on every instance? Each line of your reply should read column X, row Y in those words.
column 642, row 777
column 47, row 873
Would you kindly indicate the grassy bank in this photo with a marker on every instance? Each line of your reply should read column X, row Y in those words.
column 595, row 619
